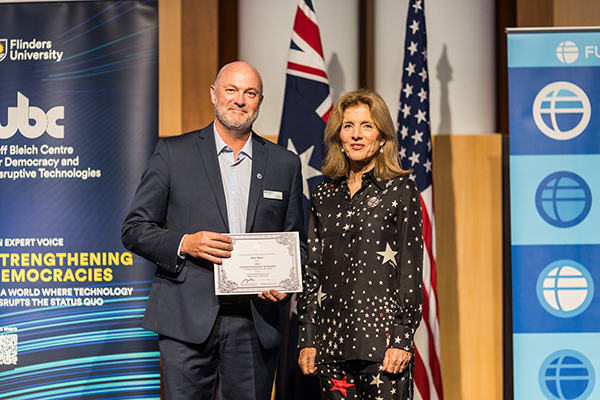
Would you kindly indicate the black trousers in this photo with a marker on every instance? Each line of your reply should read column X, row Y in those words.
column 363, row 380
column 231, row 361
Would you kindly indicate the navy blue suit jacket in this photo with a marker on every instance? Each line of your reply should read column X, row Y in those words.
column 181, row 192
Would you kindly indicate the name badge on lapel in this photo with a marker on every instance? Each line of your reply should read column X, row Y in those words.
column 271, row 194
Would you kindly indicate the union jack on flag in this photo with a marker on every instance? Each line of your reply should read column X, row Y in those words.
column 414, row 136
column 306, row 109
column 308, row 103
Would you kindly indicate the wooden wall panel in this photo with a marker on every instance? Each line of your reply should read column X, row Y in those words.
column 535, row 13
column 576, row 13
column 468, row 209
column 200, row 60
column 228, row 31
column 366, row 44
column 196, row 38
column 169, row 67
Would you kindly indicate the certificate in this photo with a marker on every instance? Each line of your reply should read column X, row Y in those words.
column 259, row 262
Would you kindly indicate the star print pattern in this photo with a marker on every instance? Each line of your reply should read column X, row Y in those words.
column 363, row 380
column 388, row 254
column 365, row 253
column 341, row 385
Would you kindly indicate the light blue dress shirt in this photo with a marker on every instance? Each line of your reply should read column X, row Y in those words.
column 235, row 175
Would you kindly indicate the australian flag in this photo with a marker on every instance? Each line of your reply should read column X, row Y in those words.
column 307, row 104
column 306, row 109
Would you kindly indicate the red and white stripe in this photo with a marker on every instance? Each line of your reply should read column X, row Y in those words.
column 428, row 374
column 309, row 62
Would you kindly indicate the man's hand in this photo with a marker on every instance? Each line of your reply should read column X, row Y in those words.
column 273, row 296
column 208, row 245
column 306, row 360
column 395, row 360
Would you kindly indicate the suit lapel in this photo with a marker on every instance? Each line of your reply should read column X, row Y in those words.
column 208, row 154
column 259, row 166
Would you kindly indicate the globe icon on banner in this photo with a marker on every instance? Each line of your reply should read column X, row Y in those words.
column 567, row 52
column 561, row 110
column 565, row 288
column 563, row 199
column 567, row 375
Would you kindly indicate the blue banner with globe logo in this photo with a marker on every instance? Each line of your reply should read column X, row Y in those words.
column 78, row 122
column 554, row 103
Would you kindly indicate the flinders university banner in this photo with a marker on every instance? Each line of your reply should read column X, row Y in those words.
column 554, row 94
column 78, row 122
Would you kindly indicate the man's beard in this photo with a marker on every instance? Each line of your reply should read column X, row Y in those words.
column 228, row 122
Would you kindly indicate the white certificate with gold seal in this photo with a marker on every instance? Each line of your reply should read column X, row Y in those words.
column 259, row 262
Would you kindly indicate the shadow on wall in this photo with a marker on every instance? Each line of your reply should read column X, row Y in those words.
column 447, row 262
column 444, row 75
column 337, row 81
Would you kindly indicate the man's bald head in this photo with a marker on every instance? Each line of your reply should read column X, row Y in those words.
column 241, row 66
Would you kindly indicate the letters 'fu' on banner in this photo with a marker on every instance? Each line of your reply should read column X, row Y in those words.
column 78, row 121
column 554, row 103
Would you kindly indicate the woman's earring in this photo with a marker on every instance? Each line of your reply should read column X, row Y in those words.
column 342, row 149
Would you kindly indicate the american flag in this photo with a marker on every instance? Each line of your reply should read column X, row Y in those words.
column 414, row 135
column 307, row 104
column 306, row 109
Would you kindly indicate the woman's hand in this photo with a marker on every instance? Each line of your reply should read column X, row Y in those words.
column 306, row 360
column 396, row 360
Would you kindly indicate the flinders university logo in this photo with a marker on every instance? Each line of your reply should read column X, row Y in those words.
column 567, row 52
column 3, row 48
column 561, row 110
column 563, row 199
column 567, row 375
column 565, row 288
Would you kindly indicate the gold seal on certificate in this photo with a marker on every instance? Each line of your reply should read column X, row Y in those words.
column 259, row 262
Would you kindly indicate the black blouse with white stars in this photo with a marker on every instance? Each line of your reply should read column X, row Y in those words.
column 363, row 271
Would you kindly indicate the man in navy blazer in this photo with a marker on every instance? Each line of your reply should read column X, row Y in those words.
column 221, row 179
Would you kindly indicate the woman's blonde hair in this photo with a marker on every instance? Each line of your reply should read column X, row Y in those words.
column 336, row 163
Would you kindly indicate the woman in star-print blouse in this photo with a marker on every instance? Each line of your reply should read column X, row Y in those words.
column 362, row 292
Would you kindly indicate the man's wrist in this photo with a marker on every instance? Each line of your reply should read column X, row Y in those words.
column 179, row 253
